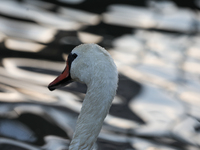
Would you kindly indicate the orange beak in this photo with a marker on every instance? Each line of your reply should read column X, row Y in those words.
column 63, row 79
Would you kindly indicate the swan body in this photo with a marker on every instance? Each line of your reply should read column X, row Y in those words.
column 92, row 65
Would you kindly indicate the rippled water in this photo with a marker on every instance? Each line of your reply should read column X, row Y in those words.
column 155, row 46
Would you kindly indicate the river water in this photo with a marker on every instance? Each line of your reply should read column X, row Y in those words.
column 155, row 45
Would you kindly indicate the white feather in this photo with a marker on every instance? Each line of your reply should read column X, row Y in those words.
column 94, row 67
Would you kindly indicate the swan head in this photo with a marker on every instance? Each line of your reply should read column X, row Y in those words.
column 87, row 63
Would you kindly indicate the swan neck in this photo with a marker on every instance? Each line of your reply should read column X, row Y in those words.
column 94, row 109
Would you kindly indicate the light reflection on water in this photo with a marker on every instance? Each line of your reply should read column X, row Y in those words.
column 157, row 102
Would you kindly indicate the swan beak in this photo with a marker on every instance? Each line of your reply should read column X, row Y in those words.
column 63, row 79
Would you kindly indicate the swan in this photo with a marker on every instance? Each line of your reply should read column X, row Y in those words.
column 90, row 64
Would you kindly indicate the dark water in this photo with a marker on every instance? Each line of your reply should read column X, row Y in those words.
column 155, row 45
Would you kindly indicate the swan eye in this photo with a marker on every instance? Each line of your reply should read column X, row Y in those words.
column 71, row 57
column 74, row 55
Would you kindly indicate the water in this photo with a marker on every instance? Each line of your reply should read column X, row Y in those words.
column 155, row 46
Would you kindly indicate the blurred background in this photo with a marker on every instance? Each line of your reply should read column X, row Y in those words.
column 155, row 45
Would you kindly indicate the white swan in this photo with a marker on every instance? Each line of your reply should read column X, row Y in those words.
column 92, row 65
